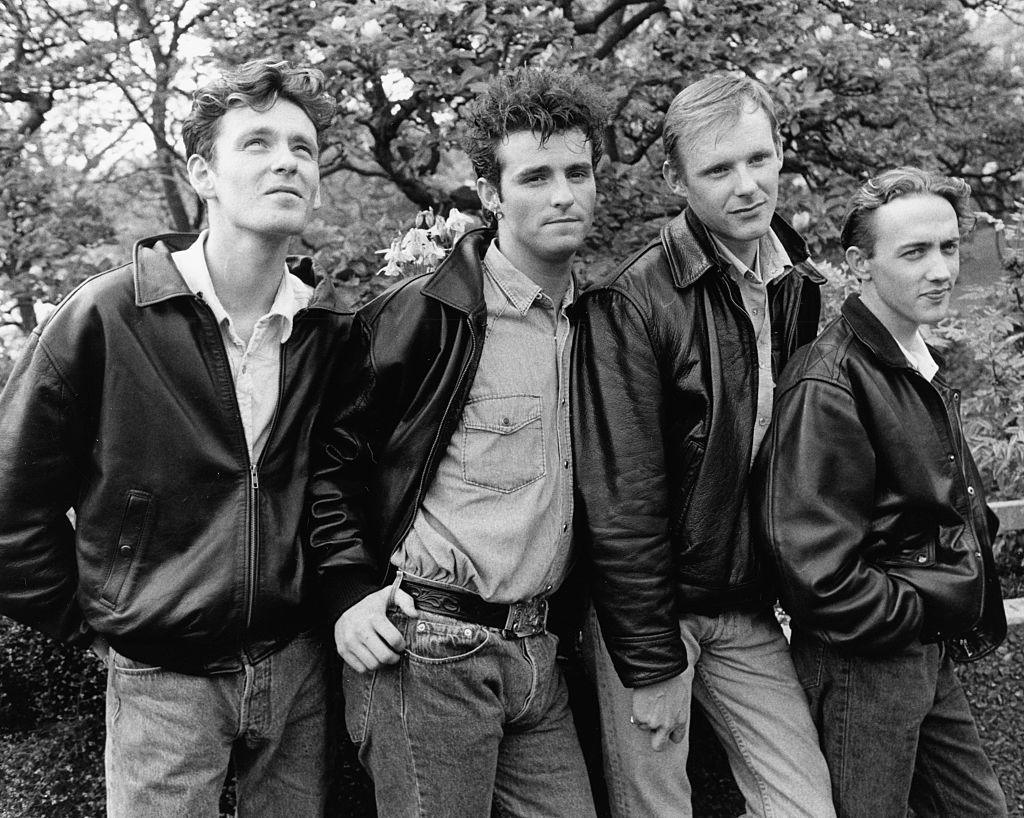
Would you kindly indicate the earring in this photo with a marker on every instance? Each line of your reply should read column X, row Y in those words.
column 499, row 214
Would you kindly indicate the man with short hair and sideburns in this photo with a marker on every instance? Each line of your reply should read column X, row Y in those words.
column 442, row 496
column 874, row 514
column 169, row 403
column 675, row 365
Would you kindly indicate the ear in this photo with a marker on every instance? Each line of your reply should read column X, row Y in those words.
column 673, row 178
column 488, row 193
column 859, row 263
column 200, row 176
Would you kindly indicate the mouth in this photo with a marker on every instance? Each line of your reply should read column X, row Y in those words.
column 746, row 211
column 938, row 294
column 563, row 221
column 289, row 190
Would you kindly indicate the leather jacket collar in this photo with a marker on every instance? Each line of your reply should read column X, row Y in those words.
column 872, row 333
column 691, row 252
column 457, row 281
column 157, row 278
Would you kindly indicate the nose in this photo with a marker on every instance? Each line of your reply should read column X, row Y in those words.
column 561, row 193
column 943, row 268
column 745, row 182
column 284, row 160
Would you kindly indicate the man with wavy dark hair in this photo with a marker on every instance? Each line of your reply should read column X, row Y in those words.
column 873, row 512
column 168, row 402
column 442, row 494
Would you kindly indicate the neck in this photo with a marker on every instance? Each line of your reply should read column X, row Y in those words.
column 745, row 251
column 246, row 270
column 551, row 276
column 904, row 331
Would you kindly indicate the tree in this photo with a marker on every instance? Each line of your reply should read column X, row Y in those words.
column 861, row 86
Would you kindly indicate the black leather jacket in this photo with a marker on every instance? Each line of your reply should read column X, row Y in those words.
column 873, row 508
column 184, row 554
column 384, row 427
column 664, row 404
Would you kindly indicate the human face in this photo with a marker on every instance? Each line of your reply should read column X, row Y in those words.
column 263, row 177
column 908, row 279
column 546, row 196
column 730, row 178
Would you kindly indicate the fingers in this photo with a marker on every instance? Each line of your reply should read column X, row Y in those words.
column 405, row 603
column 659, row 739
column 678, row 735
column 364, row 636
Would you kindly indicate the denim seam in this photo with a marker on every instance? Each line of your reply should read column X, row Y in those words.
column 533, row 681
column 408, row 740
column 737, row 738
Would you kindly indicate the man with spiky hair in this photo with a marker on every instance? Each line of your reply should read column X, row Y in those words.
column 168, row 402
column 873, row 511
column 442, row 493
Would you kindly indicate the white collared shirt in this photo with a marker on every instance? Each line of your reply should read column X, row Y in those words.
column 921, row 359
column 256, row 366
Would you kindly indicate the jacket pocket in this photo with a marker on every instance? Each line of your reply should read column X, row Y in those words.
column 134, row 524
column 503, row 442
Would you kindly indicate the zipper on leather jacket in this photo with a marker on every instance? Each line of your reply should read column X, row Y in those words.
column 433, row 445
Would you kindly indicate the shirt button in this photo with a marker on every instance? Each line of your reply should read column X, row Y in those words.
column 565, row 526
column 921, row 558
column 566, row 464
column 506, row 422
column 762, row 421
column 422, row 626
column 126, row 549
column 970, row 490
column 952, row 458
column 467, row 632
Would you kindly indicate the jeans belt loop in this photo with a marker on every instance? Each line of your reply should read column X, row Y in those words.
column 399, row 576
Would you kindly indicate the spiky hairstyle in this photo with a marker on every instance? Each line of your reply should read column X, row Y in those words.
column 539, row 100
column 257, row 84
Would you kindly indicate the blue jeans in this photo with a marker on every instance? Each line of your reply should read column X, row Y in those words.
column 170, row 736
column 897, row 730
column 742, row 677
column 467, row 718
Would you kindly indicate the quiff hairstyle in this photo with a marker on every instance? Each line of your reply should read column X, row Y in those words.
column 858, row 225
column 539, row 100
column 257, row 84
column 716, row 101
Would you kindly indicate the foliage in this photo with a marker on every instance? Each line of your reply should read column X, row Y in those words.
column 425, row 244
column 861, row 87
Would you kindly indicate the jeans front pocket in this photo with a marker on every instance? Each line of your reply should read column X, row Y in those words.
column 358, row 693
column 441, row 641
column 503, row 442
column 131, row 535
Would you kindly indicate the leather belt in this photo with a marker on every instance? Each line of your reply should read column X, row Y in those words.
column 515, row 621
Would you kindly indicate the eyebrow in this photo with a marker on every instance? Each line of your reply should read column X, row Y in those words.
column 534, row 169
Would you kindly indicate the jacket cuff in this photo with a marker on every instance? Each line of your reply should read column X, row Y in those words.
column 648, row 660
column 342, row 588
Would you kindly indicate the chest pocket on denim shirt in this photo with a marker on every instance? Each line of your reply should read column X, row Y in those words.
column 503, row 442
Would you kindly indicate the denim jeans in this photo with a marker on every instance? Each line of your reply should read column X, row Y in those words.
column 170, row 736
column 465, row 720
column 897, row 730
column 742, row 677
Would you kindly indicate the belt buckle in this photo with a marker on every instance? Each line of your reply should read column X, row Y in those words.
column 526, row 619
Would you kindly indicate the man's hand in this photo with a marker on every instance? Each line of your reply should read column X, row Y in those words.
column 663, row 709
column 364, row 635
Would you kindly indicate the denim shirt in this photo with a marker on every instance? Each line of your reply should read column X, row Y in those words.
column 770, row 262
column 497, row 519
